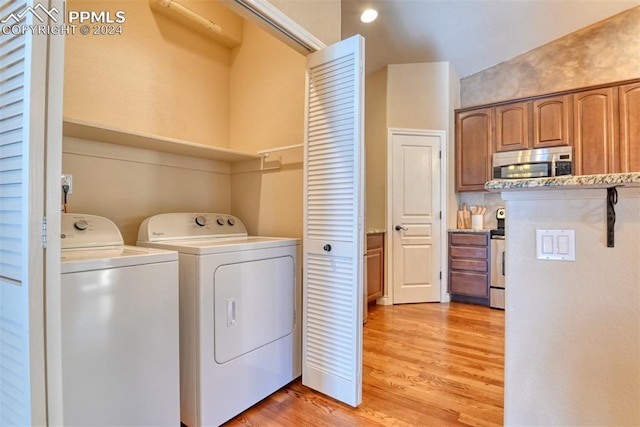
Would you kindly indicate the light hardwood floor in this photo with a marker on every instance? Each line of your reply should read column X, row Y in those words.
column 423, row 365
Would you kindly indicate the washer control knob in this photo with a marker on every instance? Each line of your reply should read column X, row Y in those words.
column 220, row 221
column 201, row 220
column 81, row 224
column 231, row 221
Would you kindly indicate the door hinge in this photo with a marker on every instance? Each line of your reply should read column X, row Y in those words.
column 440, row 215
column 441, row 275
column 440, row 154
column 44, row 232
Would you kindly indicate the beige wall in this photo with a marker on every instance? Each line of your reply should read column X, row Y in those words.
column 454, row 102
column 572, row 353
column 320, row 18
column 607, row 51
column 418, row 96
column 266, row 86
column 127, row 184
column 157, row 77
column 267, row 111
column 376, row 149
column 269, row 202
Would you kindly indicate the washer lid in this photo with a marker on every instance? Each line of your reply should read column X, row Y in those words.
column 100, row 258
column 221, row 245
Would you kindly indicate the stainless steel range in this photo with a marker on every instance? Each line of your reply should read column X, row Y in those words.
column 497, row 285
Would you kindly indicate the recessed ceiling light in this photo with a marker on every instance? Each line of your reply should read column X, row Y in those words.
column 369, row 15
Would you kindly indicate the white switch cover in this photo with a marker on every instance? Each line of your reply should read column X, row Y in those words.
column 557, row 245
column 547, row 244
column 563, row 244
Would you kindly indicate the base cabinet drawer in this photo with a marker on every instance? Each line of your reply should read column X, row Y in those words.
column 469, row 265
column 469, row 268
column 471, row 284
column 469, row 252
column 469, row 239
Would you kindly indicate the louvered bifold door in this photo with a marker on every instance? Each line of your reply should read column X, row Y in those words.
column 333, row 212
column 21, row 135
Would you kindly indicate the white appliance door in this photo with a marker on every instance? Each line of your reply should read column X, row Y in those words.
column 120, row 346
column 333, row 210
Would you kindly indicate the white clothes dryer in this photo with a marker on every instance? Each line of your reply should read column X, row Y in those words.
column 120, row 349
column 240, row 300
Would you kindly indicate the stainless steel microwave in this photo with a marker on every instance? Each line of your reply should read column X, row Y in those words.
column 536, row 163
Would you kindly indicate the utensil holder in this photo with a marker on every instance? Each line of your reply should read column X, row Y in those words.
column 477, row 222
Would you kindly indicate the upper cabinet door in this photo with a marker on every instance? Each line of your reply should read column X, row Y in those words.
column 551, row 121
column 473, row 149
column 595, row 130
column 512, row 126
column 630, row 127
column 333, row 243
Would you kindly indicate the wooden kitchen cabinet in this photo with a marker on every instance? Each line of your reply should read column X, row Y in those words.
column 469, row 267
column 595, row 131
column 629, row 103
column 473, row 149
column 375, row 266
column 540, row 123
column 512, row 126
column 515, row 126
column 602, row 123
column 551, row 121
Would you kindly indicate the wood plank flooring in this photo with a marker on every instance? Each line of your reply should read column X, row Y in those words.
column 423, row 365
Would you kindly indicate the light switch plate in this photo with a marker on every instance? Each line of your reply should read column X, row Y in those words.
column 559, row 245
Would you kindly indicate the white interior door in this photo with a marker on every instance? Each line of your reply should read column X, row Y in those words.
column 415, row 216
column 333, row 218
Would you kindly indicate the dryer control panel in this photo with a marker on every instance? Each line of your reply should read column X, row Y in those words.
column 178, row 226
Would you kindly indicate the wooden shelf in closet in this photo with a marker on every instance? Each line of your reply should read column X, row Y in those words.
column 100, row 133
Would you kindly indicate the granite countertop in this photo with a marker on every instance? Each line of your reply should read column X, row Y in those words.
column 566, row 182
column 468, row 230
column 376, row 231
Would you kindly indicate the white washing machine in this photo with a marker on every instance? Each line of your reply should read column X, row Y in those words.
column 240, row 302
column 120, row 351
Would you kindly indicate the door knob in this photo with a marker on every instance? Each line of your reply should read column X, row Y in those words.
column 400, row 227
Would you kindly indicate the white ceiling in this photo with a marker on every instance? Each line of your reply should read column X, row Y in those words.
column 471, row 34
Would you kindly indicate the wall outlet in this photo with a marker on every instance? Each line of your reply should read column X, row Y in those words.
column 67, row 179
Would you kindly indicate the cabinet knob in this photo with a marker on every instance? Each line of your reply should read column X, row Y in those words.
column 327, row 247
